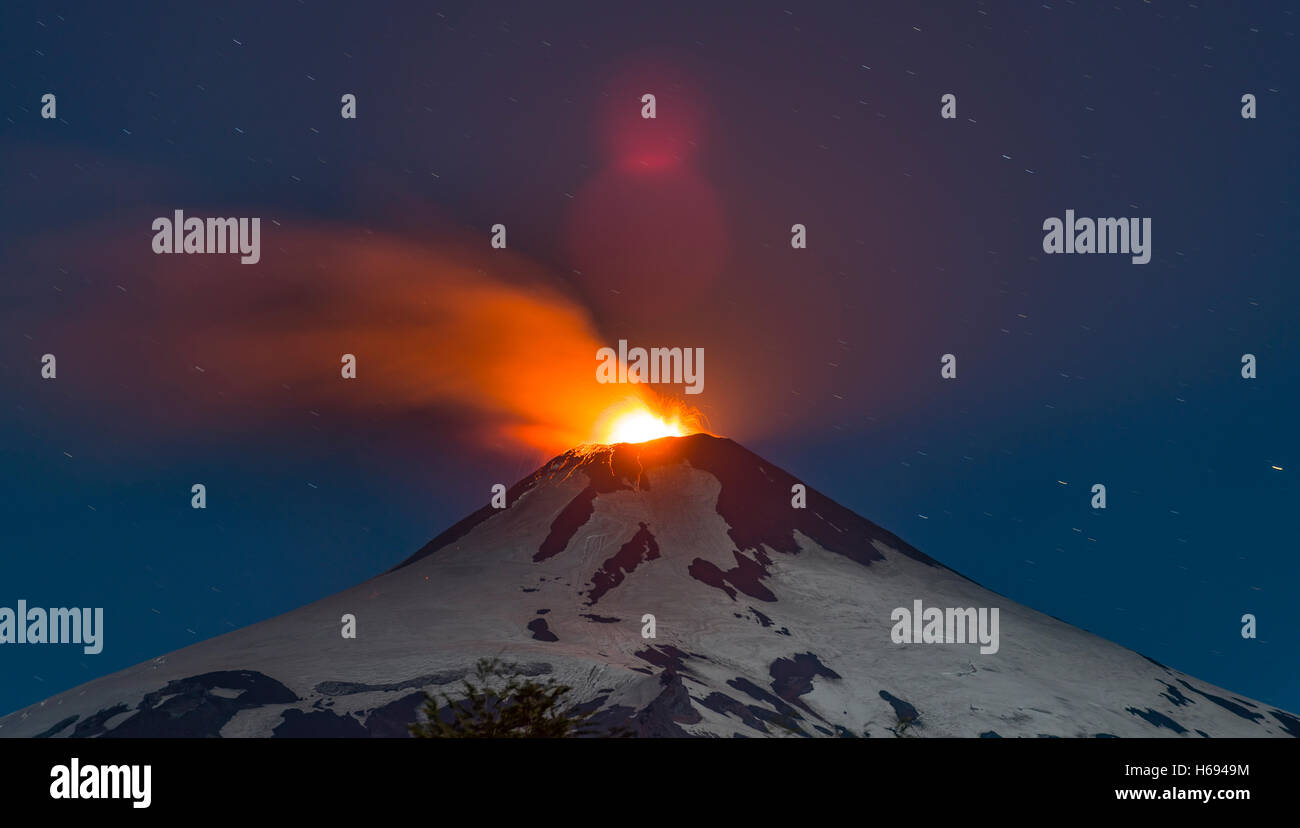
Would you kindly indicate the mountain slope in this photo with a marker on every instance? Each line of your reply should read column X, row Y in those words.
column 770, row 620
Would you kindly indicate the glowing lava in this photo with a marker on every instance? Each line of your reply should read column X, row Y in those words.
column 639, row 427
column 636, row 421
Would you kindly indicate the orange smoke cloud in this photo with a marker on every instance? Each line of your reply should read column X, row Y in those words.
column 480, row 333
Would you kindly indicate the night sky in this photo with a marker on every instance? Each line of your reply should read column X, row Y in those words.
column 924, row 238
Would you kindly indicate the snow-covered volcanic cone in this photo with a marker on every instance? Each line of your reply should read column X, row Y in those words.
column 770, row 621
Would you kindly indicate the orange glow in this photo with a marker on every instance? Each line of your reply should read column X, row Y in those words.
column 490, row 346
column 640, row 427
column 635, row 420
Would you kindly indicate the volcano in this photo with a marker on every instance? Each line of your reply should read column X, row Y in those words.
column 772, row 616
